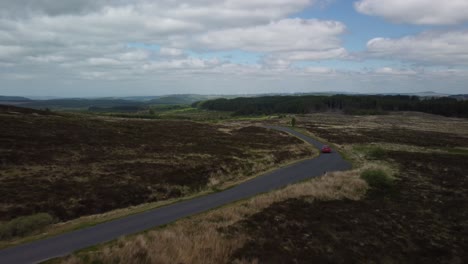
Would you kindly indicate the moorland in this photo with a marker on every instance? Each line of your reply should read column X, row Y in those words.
column 72, row 165
column 403, row 201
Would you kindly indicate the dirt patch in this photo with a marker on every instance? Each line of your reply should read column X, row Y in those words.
column 424, row 219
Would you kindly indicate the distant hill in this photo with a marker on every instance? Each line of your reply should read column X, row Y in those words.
column 461, row 97
column 138, row 98
column 114, row 103
column 13, row 99
column 420, row 94
column 79, row 103
column 11, row 109
column 117, row 109
column 136, row 103
column 181, row 99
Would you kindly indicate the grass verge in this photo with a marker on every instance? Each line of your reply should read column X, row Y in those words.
column 24, row 225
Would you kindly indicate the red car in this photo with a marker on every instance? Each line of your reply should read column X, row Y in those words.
column 326, row 149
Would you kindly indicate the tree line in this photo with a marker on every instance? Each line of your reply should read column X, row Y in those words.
column 349, row 104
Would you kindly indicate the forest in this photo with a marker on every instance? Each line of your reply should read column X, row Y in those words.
column 355, row 104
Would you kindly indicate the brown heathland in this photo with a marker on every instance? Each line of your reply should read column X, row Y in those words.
column 421, row 218
column 73, row 165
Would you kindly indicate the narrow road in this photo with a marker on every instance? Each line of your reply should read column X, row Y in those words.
column 64, row 244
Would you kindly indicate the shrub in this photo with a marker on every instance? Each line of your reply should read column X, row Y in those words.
column 377, row 178
column 376, row 153
column 25, row 224
column 293, row 122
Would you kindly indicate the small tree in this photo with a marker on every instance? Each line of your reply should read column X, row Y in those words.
column 151, row 111
column 293, row 122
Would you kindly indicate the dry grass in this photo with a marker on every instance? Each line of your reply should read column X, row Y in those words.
column 89, row 166
column 408, row 120
column 199, row 240
column 84, row 171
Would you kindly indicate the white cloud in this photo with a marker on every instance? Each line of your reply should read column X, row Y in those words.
column 279, row 36
column 47, row 59
column 317, row 54
column 171, row 52
column 181, row 64
column 431, row 48
column 89, row 39
column 103, row 62
column 85, row 44
column 393, row 71
column 275, row 62
column 9, row 52
column 48, row 26
column 134, row 55
column 320, row 70
column 421, row 12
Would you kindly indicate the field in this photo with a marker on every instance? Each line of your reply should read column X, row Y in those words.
column 412, row 129
column 171, row 112
column 419, row 216
column 71, row 165
column 422, row 218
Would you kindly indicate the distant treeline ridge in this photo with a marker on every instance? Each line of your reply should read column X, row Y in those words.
column 365, row 104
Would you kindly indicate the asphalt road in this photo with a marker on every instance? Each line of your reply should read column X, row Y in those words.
column 64, row 244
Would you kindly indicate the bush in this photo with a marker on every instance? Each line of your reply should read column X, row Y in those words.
column 293, row 122
column 24, row 225
column 376, row 153
column 377, row 179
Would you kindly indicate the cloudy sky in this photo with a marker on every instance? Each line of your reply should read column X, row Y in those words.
column 145, row 47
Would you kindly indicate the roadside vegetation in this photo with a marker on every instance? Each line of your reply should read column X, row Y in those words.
column 211, row 237
column 25, row 225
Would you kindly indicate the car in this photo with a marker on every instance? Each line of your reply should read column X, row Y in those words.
column 326, row 149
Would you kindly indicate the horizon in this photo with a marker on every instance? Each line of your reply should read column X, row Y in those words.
column 127, row 48
column 46, row 97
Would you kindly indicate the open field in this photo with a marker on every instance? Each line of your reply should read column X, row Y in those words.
column 73, row 165
column 420, row 217
column 424, row 220
column 415, row 129
column 179, row 112
column 175, row 112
